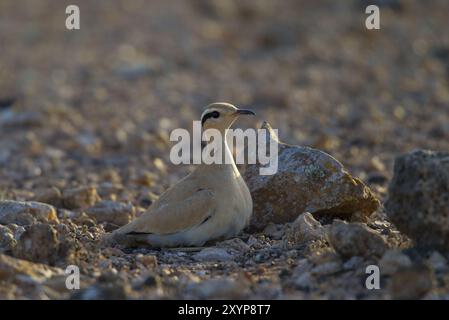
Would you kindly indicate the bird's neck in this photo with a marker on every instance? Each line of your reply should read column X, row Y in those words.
column 224, row 162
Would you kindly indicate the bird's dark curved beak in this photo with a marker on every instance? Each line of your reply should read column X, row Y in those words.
column 244, row 111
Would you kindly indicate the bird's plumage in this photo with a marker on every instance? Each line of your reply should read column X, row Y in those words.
column 210, row 203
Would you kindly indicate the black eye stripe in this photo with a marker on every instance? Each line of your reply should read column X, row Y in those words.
column 213, row 114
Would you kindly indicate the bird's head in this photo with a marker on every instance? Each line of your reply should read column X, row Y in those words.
column 221, row 116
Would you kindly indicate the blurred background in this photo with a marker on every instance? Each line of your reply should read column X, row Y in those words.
column 97, row 105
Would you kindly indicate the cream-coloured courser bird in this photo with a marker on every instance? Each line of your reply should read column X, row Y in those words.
column 212, row 202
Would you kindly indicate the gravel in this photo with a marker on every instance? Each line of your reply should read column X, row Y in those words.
column 85, row 117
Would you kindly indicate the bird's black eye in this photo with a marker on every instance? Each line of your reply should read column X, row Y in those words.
column 213, row 114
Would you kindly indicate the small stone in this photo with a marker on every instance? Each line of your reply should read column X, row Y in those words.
column 83, row 219
column 213, row 254
column 323, row 256
column 103, row 291
column 7, row 102
column 148, row 280
column 437, row 262
column 49, row 195
column 418, row 202
column 392, row 261
column 274, row 231
column 108, row 190
column 235, row 244
column 12, row 268
column 262, row 256
column 81, row 197
column 112, row 212
column 327, row 268
column 15, row 119
column 7, row 241
column 302, row 266
column 44, row 243
column 304, row 228
column 304, row 281
column 111, row 275
column 39, row 243
column 356, row 239
column 149, row 261
column 224, row 288
column 353, row 263
column 252, row 241
column 134, row 71
column 145, row 178
column 26, row 212
column 411, row 283
column 16, row 230
column 109, row 252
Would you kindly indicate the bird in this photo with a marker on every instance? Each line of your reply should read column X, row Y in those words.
column 212, row 202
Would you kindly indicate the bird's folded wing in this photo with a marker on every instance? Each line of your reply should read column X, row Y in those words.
column 175, row 216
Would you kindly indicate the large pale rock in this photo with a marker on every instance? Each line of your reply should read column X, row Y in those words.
column 418, row 200
column 26, row 213
column 307, row 180
column 356, row 239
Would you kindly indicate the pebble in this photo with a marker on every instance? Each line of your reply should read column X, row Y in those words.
column 26, row 212
column 7, row 241
column 112, row 212
column 411, row 283
column 51, row 196
column 305, row 228
column 22, row 270
column 437, row 262
column 327, row 268
column 224, row 288
column 44, row 243
column 304, row 281
column 353, row 263
column 149, row 261
column 356, row 239
column 418, row 202
column 81, row 197
column 14, row 119
column 213, row 254
column 235, row 244
column 392, row 261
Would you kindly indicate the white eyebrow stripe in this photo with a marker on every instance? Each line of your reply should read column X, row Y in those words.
column 208, row 111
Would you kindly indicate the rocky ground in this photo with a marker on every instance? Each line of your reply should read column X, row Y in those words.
column 85, row 118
